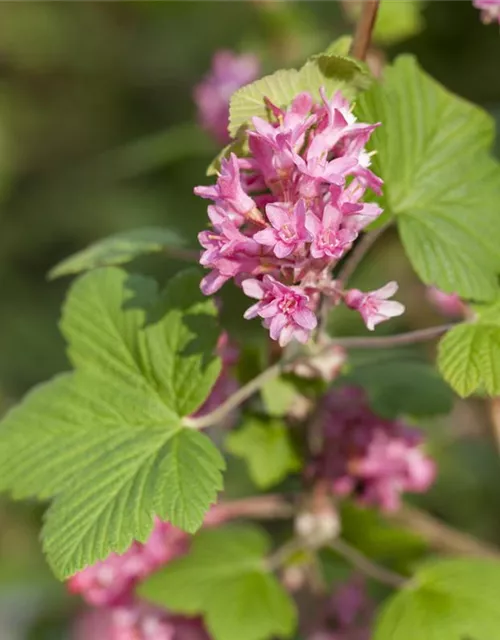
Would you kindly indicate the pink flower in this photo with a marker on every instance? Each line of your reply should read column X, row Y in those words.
column 374, row 306
column 490, row 10
column 274, row 145
column 356, row 215
column 225, row 242
column 229, row 72
column 288, row 231
column 317, row 172
column 228, row 252
column 228, row 192
column 449, row 304
column 328, row 239
column 285, row 310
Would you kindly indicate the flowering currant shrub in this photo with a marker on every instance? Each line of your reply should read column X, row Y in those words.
column 213, row 478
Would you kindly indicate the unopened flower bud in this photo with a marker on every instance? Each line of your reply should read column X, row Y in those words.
column 317, row 529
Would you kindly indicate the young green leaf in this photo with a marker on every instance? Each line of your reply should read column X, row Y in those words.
column 403, row 387
column 226, row 563
column 433, row 152
column 334, row 72
column 107, row 441
column 266, row 447
column 446, row 600
column 118, row 249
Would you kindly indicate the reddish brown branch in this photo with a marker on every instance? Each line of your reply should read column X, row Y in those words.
column 364, row 29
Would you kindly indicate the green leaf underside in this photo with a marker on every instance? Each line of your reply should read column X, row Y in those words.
column 398, row 387
column 224, row 578
column 107, row 441
column 118, row 249
column 469, row 354
column 267, row 450
column 334, row 72
column 441, row 183
column 447, row 600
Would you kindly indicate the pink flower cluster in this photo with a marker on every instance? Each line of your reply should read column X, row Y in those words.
column 283, row 216
column 135, row 622
column 110, row 586
column 368, row 457
column 229, row 72
column 490, row 10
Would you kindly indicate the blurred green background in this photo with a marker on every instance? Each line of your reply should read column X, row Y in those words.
column 98, row 135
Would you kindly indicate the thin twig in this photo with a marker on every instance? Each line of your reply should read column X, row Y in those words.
column 266, row 507
column 364, row 29
column 367, row 566
column 380, row 342
column 442, row 537
column 355, row 257
column 217, row 415
column 239, row 397
column 284, row 553
column 437, row 534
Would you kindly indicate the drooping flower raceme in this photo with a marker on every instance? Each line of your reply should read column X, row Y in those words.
column 490, row 10
column 229, row 72
column 286, row 213
column 110, row 585
column 368, row 457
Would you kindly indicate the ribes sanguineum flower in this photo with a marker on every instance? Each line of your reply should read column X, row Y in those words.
column 490, row 10
column 286, row 310
column 287, row 231
column 228, row 192
column 375, row 306
column 329, row 239
column 368, row 457
column 229, row 72
column 287, row 211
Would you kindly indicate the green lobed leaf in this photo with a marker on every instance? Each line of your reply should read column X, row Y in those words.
column 334, row 72
column 469, row 357
column 433, row 152
column 118, row 249
column 107, row 441
column 225, row 579
column 454, row 599
column 403, row 387
column 266, row 447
